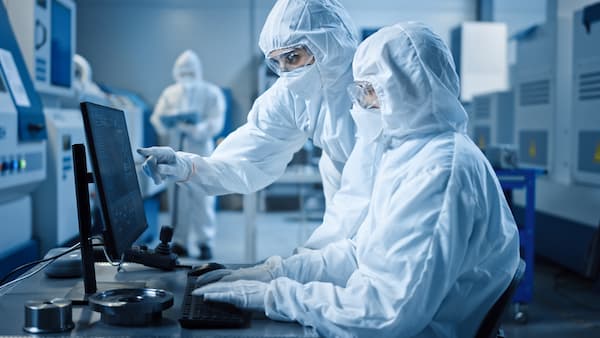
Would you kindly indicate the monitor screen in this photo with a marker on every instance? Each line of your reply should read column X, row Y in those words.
column 115, row 176
column 61, row 46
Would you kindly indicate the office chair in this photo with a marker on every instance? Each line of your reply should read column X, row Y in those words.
column 490, row 327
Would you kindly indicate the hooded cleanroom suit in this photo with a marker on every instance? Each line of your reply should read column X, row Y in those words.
column 190, row 94
column 309, row 104
column 437, row 245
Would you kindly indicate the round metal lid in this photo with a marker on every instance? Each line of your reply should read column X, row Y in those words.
column 131, row 307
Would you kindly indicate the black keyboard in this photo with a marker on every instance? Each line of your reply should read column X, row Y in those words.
column 199, row 314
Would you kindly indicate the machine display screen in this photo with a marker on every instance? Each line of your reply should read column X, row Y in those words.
column 61, row 45
column 115, row 177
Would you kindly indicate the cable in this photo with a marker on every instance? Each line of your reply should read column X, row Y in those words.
column 46, row 262
column 27, row 265
column 184, row 266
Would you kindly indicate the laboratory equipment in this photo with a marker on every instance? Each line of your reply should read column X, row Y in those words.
column 480, row 54
column 492, row 119
column 131, row 307
column 586, row 95
column 55, row 208
column 22, row 151
column 45, row 31
column 535, row 95
column 48, row 316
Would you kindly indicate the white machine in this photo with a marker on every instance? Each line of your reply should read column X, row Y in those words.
column 44, row 30
column 22, row 167
column 535, row 95
column 22, row 150
column 55, row 212
column 481, row 56
column 586, row 95
column 492, row 119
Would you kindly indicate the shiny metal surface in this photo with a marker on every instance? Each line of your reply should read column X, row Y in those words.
column 131, row 307
column 48, row 316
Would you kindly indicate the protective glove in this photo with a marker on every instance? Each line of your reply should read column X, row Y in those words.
column 244, row 294
column 163, row 163
column 272, row 268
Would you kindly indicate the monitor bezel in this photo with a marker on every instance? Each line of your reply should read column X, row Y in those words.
column 109, row 239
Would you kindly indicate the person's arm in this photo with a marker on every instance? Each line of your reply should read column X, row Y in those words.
column 333, row 264
column 408, row 256
column 162, row 108
column 257, row 153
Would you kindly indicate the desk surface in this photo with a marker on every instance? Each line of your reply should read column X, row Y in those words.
column 87, row 322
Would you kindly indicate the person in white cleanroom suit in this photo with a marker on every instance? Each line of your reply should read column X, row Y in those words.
column 310, row 44
column 438, row 245
column 83, row 84
column 195, row 214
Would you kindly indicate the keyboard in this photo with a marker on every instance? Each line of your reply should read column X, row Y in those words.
column 199, row 314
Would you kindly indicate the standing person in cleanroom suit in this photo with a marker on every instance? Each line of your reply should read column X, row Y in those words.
column 195, row 226
column 310, row 44
column 439, row 244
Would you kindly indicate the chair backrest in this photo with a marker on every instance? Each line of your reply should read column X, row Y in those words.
column 491, row 322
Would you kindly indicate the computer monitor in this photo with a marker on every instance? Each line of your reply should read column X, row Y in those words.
column 121, row 204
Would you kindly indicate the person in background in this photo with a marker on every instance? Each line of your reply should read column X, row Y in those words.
column 309, row 44
column 190, row 113
column 438, row 245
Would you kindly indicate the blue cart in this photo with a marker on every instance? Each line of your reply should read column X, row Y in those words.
column 511, row 179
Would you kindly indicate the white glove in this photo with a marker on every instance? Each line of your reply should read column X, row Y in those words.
column 244, row 294
column 164, row 163
column 272, row 268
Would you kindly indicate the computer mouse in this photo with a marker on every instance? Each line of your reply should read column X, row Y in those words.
column 204, row 268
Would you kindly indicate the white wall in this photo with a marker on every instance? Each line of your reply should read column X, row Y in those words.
column 133, row 43
column 441, row 15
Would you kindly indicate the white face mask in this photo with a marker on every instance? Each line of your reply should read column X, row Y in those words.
column 304, row 82
column 368, row 122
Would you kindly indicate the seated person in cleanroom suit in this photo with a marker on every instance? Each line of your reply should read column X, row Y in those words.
column 438, row 244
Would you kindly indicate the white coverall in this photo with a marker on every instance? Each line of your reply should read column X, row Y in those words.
column 313, row 106
column 191, row 94
column 437, row 245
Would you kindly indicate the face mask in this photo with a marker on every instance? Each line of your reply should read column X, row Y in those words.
column 304, row 82
column 368, row 122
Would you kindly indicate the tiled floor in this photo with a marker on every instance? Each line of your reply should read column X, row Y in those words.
column 564, row 305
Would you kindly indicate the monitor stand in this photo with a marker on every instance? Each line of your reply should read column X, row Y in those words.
column 89, row 285
column 82, row 179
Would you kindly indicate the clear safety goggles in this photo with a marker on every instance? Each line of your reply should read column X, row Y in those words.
column 363, row 94
column 288, row 59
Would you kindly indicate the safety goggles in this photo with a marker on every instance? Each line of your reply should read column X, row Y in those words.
column 288, row 59
column 363, row 94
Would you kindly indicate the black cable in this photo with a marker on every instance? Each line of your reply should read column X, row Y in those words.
column 79, row 302
column 30, row 264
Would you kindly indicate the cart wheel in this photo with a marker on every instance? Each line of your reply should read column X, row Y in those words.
column 520, row 313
